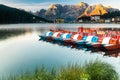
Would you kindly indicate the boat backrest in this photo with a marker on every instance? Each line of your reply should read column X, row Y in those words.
column 56, row 34
column 50, row 33
column 75, row 37
column 64, row 36
column 118, row 37
column 80, row 37
column 84, row 38
column 100, row 39
column 95, row 39
column 61, row 36
column 68, row 36
column 106, row 40
column 114, row 41
column 89, row 38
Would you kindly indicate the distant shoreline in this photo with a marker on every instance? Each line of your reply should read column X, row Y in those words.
column 60, row 23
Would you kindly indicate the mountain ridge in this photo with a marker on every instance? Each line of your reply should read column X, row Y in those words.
column 72, row 12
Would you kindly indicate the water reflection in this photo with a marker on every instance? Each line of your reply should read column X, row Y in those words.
column 110, row 34
column 8, row 33
column 21, row 50
column 84, row 47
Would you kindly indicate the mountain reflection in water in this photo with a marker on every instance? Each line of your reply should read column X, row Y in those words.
column 8, row 33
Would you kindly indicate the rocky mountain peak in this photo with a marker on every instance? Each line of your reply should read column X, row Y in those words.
column 82, row 4
column 108, row 7
column 97, row 9
column 54, row 6
column 72, row 12
column 99, row 5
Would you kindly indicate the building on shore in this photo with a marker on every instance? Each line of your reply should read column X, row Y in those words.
column 59, row 20
column 84, row 19
column 92, row 18
column 116, row 19
column 95, row 18
column 98, row 19
column 108, row 20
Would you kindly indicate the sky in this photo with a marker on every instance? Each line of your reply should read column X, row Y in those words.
column 36, row 5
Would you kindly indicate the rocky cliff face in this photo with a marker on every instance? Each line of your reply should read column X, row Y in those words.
column 97, row 9
column 72, row 12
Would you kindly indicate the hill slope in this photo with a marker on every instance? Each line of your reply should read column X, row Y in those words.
column 13, row 15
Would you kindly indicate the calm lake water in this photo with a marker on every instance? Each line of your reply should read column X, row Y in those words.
column 21, row 50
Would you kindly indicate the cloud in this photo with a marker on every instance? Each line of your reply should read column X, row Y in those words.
column 36, row 5
column 29, row 7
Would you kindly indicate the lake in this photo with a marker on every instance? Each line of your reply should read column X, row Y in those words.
column 21, row 50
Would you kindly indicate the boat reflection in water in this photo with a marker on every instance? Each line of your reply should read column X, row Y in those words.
column 105, row 40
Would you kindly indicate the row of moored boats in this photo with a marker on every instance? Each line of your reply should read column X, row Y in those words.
column 88, row 39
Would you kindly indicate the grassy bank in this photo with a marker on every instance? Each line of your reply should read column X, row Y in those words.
column 96, row 70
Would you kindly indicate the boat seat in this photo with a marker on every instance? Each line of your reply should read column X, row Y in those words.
column 106, row 40
column 65, row 36
column 95, row 39
column 84, row 38
column 114, row 41
column 55, row 34
column 50, row 33
column 76, row 37
column 89, row 38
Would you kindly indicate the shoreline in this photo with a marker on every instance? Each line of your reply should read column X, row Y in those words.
column 65, row 23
